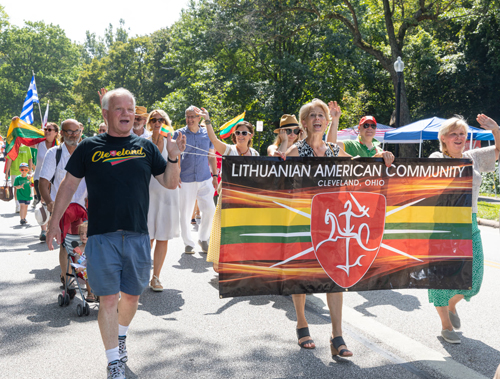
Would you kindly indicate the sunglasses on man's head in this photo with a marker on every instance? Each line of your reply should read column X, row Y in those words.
column 373, row 126
column 290, row 131
column 243, row 133
column 154, row 120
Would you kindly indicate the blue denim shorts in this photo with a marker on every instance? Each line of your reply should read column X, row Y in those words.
column 27, row 202
column 118, row 261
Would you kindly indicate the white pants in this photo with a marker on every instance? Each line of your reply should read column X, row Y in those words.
column 188, row 194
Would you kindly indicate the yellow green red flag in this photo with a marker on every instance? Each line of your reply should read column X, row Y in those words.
column 166, row 130
column 228, row 128
column 21, row 133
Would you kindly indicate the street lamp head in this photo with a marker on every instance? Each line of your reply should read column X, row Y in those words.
column 399, row 65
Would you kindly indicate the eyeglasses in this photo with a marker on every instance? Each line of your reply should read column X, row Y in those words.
column 24, row 169
column 155, row 120
column 49, row 130
column 139, row 119
column 191, row 117
column 243, row 133
column 373, row 126
column 290, row 131
column 71, row 132
column 318, row 115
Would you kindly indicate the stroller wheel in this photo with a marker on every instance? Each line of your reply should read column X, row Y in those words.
column 66, row 299
column 79, row 310
column 87, row 309
column 60, row 300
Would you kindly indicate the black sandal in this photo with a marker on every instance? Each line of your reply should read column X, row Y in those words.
column 301, row 333
column 335, row 343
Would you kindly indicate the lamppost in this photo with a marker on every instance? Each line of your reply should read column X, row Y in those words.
column 398, row 67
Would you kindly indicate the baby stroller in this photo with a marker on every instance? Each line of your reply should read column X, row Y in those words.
column 72, row 279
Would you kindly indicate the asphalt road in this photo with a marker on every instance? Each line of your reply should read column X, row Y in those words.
column 187, row 331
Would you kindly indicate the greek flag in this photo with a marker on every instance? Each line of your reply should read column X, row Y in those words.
column 31, row 97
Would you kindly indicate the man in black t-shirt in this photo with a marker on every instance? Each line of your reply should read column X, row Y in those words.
column 119, row 166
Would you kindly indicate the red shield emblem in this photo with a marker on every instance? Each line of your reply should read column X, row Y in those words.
column 347, row 230
column 112, row 153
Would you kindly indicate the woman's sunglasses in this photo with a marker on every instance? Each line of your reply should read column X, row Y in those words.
column 366, row 126
column 49, row 130
column 242, row 133
column 290, row 131
column 154, row 120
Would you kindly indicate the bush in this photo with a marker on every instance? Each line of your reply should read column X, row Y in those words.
column 490, row 182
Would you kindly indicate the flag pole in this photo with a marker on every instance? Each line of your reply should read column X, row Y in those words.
column 40, row 109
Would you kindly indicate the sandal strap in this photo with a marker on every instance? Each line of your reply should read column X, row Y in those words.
column 337, row 342
column 305, row 343
column 303, row 332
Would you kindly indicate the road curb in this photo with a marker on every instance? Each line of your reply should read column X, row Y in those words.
column 490, row 223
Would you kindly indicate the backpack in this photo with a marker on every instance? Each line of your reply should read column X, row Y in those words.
column 58, row 158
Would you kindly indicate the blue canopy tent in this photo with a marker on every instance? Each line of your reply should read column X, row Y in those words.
column 428, row 129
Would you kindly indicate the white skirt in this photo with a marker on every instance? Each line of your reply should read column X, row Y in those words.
column 163, row 215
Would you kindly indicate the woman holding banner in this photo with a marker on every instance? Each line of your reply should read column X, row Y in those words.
column 242, row 139
column 289, row 132
column 452, row 137
column 163, row 215
column 314, row 117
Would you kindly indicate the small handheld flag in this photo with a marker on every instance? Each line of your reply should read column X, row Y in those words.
column 31, row 97
column 228, row 128
column 166, row 130
column 46, row 116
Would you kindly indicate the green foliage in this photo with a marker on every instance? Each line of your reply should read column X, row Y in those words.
column 46, row 50
column 488, row 211
column 490, row 183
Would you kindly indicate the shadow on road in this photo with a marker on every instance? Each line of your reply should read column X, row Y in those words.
column 473, row 354
column 161, row 303
column 196, row 263
column 405, row 303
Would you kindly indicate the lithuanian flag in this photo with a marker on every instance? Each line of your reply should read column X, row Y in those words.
column 228, row 128
column 166, row 130
column 21, row 133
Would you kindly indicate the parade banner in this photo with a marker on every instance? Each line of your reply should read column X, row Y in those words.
column 310, row 225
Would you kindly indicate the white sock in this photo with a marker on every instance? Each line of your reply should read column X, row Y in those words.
column 112, row 355
column 122, row 330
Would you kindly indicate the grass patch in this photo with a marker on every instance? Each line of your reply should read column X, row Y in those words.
column 488, row 211
column 484, row 194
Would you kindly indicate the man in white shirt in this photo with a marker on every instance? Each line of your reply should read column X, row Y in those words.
column 141, row 115
column 53, row 172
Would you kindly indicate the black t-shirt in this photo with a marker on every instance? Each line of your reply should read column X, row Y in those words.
column 117, row 171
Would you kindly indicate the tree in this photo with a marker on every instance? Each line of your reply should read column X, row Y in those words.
column 47, row 51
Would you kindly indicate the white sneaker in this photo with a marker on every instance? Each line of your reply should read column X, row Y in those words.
column 115, row 370
column 18, row 207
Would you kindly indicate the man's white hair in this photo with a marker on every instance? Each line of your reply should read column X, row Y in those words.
column 191, row 108
column 116, row 92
